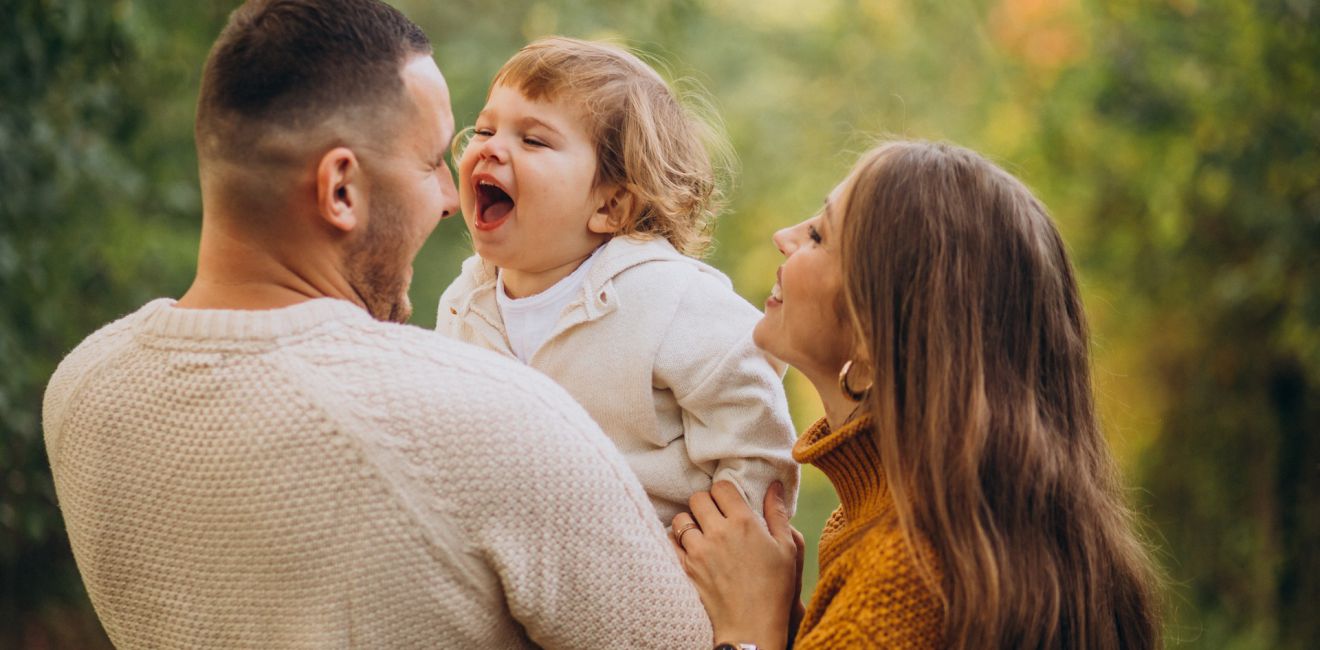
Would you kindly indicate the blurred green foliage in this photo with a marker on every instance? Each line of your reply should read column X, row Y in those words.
column 1213, row 245
column 1177, row 143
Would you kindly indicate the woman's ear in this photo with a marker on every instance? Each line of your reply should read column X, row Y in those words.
column 339, row 192
column 859, row 352
column 614, row 211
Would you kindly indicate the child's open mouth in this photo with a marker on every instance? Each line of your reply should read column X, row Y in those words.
column 493, row 205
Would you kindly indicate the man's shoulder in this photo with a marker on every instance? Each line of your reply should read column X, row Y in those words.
column 439, row 376
column 452, row 404
column 428, row 352
column 104, row 342
column 115, row 332
column 91, row 353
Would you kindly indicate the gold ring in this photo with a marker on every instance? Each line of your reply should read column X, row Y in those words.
column 678, row 534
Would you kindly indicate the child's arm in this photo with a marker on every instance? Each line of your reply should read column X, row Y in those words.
column 735, row 413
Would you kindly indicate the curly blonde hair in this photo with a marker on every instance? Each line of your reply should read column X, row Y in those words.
column 671, row 158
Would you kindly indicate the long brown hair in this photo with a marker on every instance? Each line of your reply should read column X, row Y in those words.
column 966, row 304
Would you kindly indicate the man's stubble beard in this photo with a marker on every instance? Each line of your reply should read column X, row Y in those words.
column 374, row 269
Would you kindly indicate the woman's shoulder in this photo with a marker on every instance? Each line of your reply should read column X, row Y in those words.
column 877, row 592
column 879, row 550
column 883, row 543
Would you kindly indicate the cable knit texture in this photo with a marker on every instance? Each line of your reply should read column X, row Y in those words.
column 658, row 348
column 310, row 477
column 871, row 592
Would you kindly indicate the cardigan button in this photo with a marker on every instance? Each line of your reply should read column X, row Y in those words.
column 603, row 297
column 453, row 311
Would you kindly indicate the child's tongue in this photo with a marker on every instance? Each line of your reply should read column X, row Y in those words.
column 497, row 210
column 495, row 203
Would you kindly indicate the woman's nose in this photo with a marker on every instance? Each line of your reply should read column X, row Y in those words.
column 785, row 241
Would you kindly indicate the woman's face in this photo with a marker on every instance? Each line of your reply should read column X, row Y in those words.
column 805, row 322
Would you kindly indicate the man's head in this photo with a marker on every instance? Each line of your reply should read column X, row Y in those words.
column 321, row 131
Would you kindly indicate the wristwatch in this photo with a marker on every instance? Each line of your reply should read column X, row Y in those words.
column 740, row 646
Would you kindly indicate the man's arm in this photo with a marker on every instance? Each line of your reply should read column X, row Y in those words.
column 544, row 500
column 580, row 551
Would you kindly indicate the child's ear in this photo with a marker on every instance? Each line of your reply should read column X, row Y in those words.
column 614, row 211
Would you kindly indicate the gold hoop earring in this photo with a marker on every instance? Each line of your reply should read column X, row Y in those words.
column 848, row 391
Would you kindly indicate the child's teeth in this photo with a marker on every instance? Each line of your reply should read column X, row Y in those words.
column 774, row 293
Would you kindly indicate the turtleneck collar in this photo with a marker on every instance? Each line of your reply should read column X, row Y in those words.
column 850, row 458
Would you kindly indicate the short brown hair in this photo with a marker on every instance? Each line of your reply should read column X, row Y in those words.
column 648, row 141
column 294, row 63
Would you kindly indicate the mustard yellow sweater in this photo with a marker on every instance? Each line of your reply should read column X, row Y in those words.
column 871, row 592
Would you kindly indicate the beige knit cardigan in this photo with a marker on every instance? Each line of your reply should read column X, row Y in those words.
column 658, row 349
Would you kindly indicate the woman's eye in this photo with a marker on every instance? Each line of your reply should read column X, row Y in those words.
column 813, row 233
column 485, row 133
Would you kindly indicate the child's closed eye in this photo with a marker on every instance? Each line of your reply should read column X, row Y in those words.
column 534, row 142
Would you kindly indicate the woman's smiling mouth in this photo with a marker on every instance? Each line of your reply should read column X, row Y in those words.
column 776, row 292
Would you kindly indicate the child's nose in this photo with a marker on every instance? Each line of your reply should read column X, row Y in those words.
column 493, row 149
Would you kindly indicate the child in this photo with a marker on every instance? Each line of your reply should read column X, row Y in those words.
column 584, row 182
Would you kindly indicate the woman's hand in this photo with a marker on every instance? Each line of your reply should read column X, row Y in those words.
column 747, row 572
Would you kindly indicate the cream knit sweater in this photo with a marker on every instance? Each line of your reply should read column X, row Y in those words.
column 310, row 477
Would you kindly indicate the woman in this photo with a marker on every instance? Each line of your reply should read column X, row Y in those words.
column 933, row 307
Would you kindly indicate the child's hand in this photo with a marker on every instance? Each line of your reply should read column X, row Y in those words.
column 748, row 573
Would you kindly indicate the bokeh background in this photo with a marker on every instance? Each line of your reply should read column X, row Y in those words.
column 1177, row 143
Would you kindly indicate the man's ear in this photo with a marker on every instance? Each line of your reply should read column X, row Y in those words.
column 614, row 211
column 339, row 192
